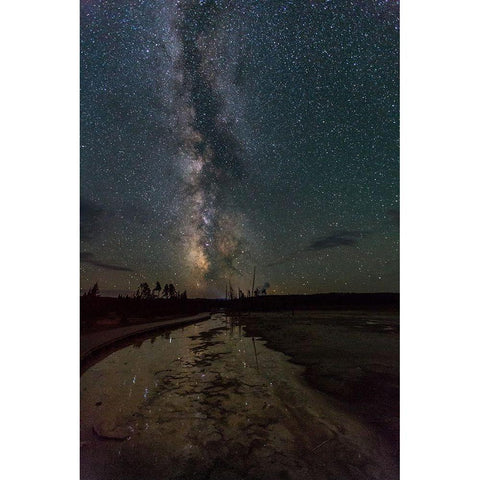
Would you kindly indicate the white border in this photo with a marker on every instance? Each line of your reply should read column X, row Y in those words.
column 39, row 201
column 439, row 240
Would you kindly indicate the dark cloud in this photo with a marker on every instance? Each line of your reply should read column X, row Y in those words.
column 88, row 257
column 90, row 216
column 344, row 238
column 93, row 217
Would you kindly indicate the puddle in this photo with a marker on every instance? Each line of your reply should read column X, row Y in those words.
column 208, row 402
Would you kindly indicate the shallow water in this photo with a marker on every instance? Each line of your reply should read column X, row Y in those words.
column 208, row 402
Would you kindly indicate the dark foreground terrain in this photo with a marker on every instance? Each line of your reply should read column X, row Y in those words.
column 215, row 400
column 101, row 313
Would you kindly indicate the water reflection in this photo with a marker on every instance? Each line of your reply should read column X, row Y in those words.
column 207, row 402
column 135, row 341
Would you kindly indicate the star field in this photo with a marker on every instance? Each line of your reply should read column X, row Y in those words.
column 221, row 135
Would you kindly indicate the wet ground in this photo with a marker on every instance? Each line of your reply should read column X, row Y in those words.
column 352, row 356
column 209, row 402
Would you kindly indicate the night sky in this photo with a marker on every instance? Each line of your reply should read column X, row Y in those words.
column 221, row 135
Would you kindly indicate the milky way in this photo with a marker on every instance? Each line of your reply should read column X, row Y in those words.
column 217, row 136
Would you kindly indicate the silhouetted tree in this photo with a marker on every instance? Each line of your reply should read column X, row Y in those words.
column 182, row 295
column 94, row 291
column 145, row 291
column 166, row 291
column 158, row 289
column 172, row 293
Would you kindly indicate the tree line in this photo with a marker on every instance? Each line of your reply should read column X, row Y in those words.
column 144, row 292
column 168, row 291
